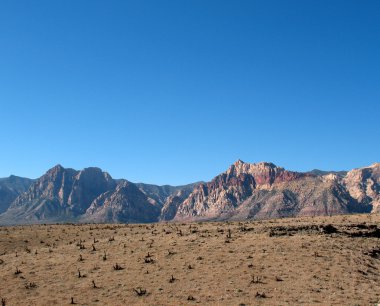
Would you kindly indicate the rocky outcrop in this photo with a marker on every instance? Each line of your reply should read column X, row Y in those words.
column 59, row 195
column 172, row 203
column 228, row 190
column 264, row 174
column 263, row 190
column 363, row 184
column 305, row 197
column 126, row 204
column 88, row 184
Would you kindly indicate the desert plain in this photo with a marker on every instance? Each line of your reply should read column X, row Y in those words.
column 292, row 261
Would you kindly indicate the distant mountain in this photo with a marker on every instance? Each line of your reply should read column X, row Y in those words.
column 245, row 191
column 10, row 188
column 89, row 195
column 322, row 173
column 161, row 193
column 125, row 204
column 263, row 190
column 173, row 201
column 59, row 195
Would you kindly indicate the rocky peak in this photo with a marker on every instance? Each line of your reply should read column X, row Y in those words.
column 62, row 193
column 125, row 185
column 330, row 177
column 55, row 170
column 264, row 173
column 238, row 163
column 13, row 178
column 14, row 181
column 363, row 185
column 88, row 184
column 92, row 171
column 240, row 166
column 362, row 174
column 52, row 173
column 54, row 183
column 94, row 174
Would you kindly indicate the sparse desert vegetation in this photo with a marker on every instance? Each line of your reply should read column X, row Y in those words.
column 322, row 260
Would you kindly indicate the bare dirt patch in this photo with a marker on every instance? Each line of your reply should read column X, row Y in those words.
column 324, row 260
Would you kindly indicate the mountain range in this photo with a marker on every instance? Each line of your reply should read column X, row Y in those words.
column 244, row 191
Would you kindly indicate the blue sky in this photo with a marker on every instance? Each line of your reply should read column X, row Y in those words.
column 172, row 92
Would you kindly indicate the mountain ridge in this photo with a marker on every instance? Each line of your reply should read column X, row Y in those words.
column 244, row 191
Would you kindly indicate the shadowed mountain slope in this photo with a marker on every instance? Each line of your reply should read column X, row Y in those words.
column 10, row 188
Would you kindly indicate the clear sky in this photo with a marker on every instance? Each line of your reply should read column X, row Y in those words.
column 172, row 92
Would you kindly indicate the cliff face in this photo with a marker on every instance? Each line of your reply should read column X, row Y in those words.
column 61, row 194
column 170, row 208
column 88, row 184
column 263, row 190
column 126, row 204
column 228, row 190
column 363, row 184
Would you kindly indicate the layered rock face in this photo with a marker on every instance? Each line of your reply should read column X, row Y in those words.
column 88, row 185
column 60, row 194
column 126, row 204
column 363, row 185
column 10, row 188
column 228, row 190
column 170, row 208
column 263, row 190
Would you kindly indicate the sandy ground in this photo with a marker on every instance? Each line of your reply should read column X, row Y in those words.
column 277, row 262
